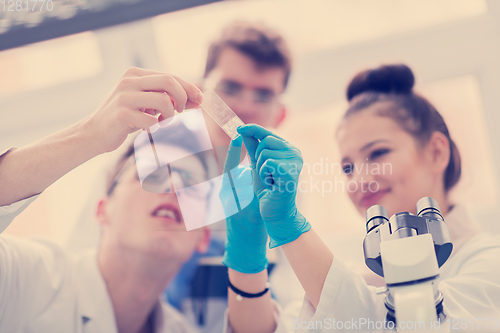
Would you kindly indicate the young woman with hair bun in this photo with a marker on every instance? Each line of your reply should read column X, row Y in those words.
column 386, row 122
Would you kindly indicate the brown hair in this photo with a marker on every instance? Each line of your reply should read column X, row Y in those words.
column 265, row 46
column 415, row 114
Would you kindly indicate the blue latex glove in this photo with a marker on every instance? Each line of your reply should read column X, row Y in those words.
column 246, row 234
column 277, row 164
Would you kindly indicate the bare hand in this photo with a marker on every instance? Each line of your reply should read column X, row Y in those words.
column 135, row 103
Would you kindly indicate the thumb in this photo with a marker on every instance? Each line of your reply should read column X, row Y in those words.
column 233, row 154
column 251, row 144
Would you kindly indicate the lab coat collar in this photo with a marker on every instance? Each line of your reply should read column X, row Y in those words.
column 462, row 226
column 166, row 319
column 92, row 295
column 97, row 310
column 158, row 316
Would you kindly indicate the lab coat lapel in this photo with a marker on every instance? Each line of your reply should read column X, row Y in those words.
column 462, row 226
column 92, row 296
column 167, row 320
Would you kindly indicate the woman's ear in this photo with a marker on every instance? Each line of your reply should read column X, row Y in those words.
column 101, row 214
column 439, row 148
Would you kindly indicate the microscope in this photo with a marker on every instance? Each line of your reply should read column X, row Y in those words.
column 407, row 250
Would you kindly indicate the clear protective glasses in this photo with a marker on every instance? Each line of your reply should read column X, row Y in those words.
column 234, row 90
column 184, row 181
column 168, row 178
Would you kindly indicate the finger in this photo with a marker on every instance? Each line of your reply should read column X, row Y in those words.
column 266, row 173
column 177, row 93
column 244, row 176
column 163, row 122
column 159, row 83
column 258, row 186
column 137, row 72
column 194, row 95
column 140, row 120
column 243, row 185
column 233, row 154
column 149, row 111
column 150, row 101
column 166, row 106
column 256, row 131
column 251, row 145
column 271, row 155
column 226, row 188
column 271, row 143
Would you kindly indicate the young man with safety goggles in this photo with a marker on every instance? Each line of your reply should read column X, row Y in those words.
column 144, row 242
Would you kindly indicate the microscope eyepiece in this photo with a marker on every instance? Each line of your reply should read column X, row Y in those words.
column 375, row 216
column 428, row 207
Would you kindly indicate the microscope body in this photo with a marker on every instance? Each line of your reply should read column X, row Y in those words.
column 407, row 250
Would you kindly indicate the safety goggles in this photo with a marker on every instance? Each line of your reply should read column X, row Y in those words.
column 170, row 178
column 230, row 90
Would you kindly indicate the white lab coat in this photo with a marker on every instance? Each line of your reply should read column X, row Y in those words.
column 469, row 281
column 44, row 289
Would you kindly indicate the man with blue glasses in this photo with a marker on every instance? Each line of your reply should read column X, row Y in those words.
column 248, row 66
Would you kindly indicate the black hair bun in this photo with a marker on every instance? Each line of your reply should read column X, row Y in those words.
column 386, row 79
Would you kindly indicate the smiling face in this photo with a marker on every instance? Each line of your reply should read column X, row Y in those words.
column 151, row 223
column 389, row 166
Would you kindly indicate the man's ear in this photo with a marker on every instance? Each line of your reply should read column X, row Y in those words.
column 282, row 112
column 439, row 148
column 204, row 242
column 101, row 213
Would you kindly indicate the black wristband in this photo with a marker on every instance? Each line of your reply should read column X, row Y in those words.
column 240, row 294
